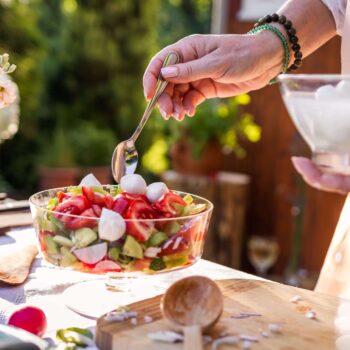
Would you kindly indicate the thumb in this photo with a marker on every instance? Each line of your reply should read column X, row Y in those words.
column 200, row 68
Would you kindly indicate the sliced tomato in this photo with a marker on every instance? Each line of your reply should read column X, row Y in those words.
column 170, row 204
column 193, row 230
column 175, row 244
column 140, row 209
column 88, row 219
column 73, row 205
column 120, row 204
column 97, row 209
column 62, row 196
column 140, row 264
column 109, row 201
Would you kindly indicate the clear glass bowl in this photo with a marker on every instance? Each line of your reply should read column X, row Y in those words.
column 182, row 247
column 319, row 106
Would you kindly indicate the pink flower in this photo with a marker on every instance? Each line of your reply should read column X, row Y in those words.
column 8, row 91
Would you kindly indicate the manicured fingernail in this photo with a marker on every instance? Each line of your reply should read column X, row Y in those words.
column 190, row 112
column 169, row 72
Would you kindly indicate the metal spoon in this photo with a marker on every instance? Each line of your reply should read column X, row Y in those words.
column 125, row 156
column 192, row 304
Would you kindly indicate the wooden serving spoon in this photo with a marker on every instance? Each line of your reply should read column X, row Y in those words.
column 192, row 305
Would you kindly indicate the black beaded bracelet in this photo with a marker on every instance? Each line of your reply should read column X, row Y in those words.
column 292, row 35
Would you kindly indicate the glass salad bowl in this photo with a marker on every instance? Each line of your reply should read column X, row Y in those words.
column 103, row 230
column 319, row 106
column 122, row 235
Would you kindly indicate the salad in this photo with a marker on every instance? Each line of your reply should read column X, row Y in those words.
column 123, row 228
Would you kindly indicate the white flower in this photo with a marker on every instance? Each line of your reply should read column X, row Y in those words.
column 8, row 91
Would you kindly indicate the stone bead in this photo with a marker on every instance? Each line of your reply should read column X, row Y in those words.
column 291, row 31
column 275, row 17
column 288, row 25
column 293, row 39
column 296, row 47
column 282, row 19
column 268, row 19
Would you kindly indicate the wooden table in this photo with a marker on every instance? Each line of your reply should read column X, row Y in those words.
column 46, row 284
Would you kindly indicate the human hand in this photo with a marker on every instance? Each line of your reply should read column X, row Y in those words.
column 213, row 66
column 320, row 180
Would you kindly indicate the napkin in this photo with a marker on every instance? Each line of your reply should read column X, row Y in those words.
column 15, row 262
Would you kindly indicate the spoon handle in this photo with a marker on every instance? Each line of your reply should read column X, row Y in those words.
column 193, row 338
column 172, row 58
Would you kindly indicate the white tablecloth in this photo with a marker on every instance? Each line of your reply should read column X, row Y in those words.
column 45, row 286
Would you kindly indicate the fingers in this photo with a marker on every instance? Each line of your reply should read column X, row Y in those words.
column 191, row 101
column 152, row 72
column 318, row 179
column 190, row 71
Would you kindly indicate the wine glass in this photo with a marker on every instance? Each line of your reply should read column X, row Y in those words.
column 122, row 268
column 319, row 106
column 263, row 253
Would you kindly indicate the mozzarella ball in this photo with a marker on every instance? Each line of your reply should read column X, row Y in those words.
column 343, row 88
column 133, row 184
column 326, row 92
column 156, row 190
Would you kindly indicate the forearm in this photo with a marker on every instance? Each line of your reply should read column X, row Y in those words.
column 313, row 22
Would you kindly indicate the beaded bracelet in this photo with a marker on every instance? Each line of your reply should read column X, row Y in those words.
column 294, row 40
column 284, row 42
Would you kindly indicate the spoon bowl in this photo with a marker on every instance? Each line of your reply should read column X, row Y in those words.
column 193, row 304
column 124, row 159
column 125, row 156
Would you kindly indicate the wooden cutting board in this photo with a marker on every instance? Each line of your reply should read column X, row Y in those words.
column 271, row 300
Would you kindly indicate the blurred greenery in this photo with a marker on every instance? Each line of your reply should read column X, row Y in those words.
column 219, row 120
column 80, row 67
column 22, row 39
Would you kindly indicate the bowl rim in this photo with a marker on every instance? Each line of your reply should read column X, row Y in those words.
column 283, row 77
column 208, row 210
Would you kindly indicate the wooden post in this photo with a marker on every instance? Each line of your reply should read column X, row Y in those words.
column 229, row 193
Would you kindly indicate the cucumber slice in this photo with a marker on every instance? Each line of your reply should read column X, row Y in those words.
column 113, row 253
column 157, row 239
column 174, row 260
column 63, row 241
column 58, row 225
column 83, row 237
column 172, row 228
column 51, row 246
column 132, row 248
column 67, row 257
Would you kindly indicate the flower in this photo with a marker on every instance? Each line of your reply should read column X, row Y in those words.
column 8, row 91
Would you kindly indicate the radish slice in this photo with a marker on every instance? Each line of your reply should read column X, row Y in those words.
column 152, row 252
column 107, row 265
column 111, row 225
column 156, row 190
column 133, row 184
column 93, row 254
column 91, row 181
